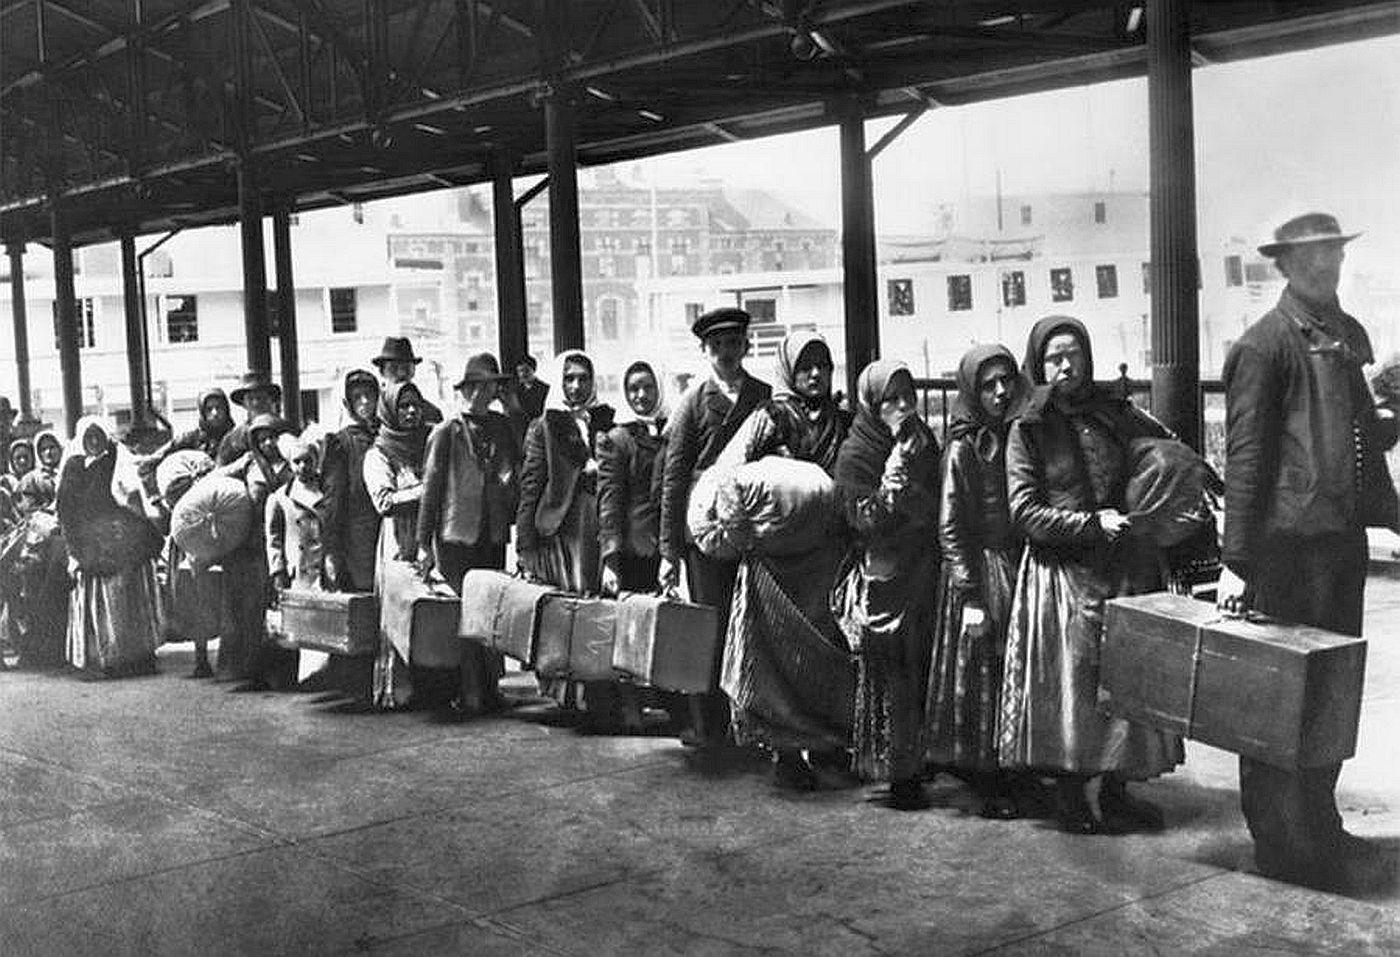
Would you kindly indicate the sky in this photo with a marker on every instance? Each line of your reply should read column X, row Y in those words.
column 1275, row 136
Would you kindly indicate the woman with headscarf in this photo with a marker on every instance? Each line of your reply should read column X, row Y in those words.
column 556, row 522
column 780, row 622
column 113, row 617
column 48, row 449
column 981, row 551
column 21, row 461
column 1066, row 468
column 393, row 474
column 887, row 473
column 352, row 522
column 35, row 570
column 246, row 652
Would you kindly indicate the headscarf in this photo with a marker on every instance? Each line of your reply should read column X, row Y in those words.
column 1090, row 396
column 861, row 460
column 354, row 378
column 789, row 352
column 219, row 396
column 52, row 436
column 969, row 419
column 16, row 445
column 401, row 445
column 814, row 428
column 125, row 478
column 653, row 420
column 555, row 399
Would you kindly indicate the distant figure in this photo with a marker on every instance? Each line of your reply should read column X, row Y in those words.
column 530, row 392
column 397, row 363
column 1306, row 477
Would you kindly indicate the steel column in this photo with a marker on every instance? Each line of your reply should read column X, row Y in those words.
column 66, row 306
column 1175, row 263
column 254, row 273
column 138, row 368
column 512, row 327
column 18, row 312
column 858, row 245
column 286, row 314
column 565, row 257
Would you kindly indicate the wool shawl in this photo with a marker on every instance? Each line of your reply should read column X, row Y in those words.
column 861, row 461
column 400, row 445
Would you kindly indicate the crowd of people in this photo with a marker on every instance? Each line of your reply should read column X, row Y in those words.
column 948, row 621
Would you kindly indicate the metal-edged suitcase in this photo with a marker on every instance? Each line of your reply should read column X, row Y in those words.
column 501, row 612
column 343, row 623
column 666, row 643
column 420, row 617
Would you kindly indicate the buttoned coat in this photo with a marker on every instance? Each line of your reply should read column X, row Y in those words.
column 629, row 490
column 296, row 517
column 554, row 470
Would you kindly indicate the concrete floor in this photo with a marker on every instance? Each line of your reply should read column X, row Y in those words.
column 166, row 816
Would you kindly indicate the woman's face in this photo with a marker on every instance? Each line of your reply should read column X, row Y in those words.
column 578, row 383
column 410, row 409
column 995, row 383
column 50, row 451
column 642, row 392
column 21, row 459
column 811, row 378
column 1064, row 363
column 304, row 465
column 363, row 401
column 266, row 444
column 94, row 441
column 898, row 405
column 216, row 415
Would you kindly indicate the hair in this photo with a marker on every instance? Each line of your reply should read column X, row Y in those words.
column 527, row 361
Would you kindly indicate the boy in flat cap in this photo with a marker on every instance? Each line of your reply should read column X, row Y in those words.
column 705, row 419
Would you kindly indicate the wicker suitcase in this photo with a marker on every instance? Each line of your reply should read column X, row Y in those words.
column 1288, row 695
column 501, row 612
column 576, row 638
column 666, row 643
column 343, row 623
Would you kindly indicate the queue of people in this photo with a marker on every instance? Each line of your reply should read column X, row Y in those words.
column 947, row 622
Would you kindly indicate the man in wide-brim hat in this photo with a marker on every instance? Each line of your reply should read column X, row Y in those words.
column 1306, row 476
column 397, row 363
column 258, row 395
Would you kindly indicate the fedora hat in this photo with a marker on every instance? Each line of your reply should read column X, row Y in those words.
column 481, row 367
column 1306, row 229
column 253, row 381
column 396, row 349
column 720, row 320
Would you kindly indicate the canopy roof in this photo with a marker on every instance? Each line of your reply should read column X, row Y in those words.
column 338, row 101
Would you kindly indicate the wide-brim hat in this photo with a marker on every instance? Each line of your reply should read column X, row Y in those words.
column 481, row 367
column 720, row 320
column 396, row 349
column 254, row 381
column 1304, row 230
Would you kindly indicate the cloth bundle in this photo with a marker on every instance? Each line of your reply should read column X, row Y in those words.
column 212, row 518
column 774, row 506
column 1170, row 489
column 178, row 471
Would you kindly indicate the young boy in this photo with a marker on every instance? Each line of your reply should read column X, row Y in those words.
column 295, row 524
column 705, row 420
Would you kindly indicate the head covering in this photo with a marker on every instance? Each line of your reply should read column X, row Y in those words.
column 395, row 349
column 861, row 461
column 125, row 478
column 402, row 445
column 657, row 415
column 789, row 352
column 17, row 445
column 969, row 419
column 481, row 367
column 253, row 381
column 720, row 320
column 48, row 435
column 555, row 378
column 1304, row 230
column 359, row 379
column 1034, row 367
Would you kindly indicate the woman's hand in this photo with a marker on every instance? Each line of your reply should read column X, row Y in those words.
column 1231, row 594
column 527, row 565
column 610, row 583
column 426, row 562
column 668, row 577
column 1113, row 522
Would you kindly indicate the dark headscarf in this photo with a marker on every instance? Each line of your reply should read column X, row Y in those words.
column 969, row 419
column 267, row 422
column 221, row 398
column 814, row 428
column 861, row 460
column 402, row 446
column 357, row 379
column 1091, row 397
column 789, row 357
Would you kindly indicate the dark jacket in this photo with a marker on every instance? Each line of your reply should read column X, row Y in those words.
column 351, row 532
column 469, row 482
column 1303, row 442
column 973, row 513
column 703, row 423
column 556, row 458
column 1050, row 487
column 629, row 490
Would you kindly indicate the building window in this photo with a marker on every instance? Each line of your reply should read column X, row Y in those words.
column 607, row 317
column 607, row 267
column 343, row 313
column 901, row 293
column 1107, row 277
column 1234, row 271
column 1013, row 288
column 607, row 243
column 693, row 311
column 1147, row 279
column 87, row 328
column 762, row 310
column 680, row 245
column 1061, row 285
column 643, row 247
column 959, row 293
column 1101, row 213
column 182, row 319
column 1259, row 272
column 1025, row 215
column 678, row 265
column 357, row 210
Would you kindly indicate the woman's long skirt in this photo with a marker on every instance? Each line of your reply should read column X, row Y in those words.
column 965, row 679
column 114, row 621
column 1049, row 703
column 787, row 667
column 889, row 620
column 571, row 561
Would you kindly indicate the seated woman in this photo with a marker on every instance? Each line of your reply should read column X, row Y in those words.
column 1066, row 473
column 887, row 472
column 114, row 616
column 780, row 621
